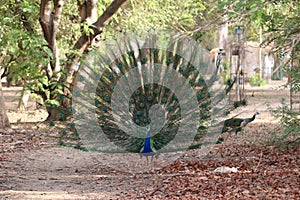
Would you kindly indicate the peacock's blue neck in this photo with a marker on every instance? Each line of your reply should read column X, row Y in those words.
column 147, row 145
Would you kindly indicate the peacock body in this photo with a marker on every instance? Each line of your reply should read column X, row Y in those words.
column 148, row 148
column 238, row 123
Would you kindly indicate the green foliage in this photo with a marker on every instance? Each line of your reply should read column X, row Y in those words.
column 26, row 51
column 28, row 54
column 256, row 80
column 226, row 73
column 69, row 30
column 294, row 74
column 47, row 91
column 161, row 14
column 279, row 19
column 289, row 121
column 87, row 29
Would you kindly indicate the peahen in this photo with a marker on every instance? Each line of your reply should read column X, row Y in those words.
column 237, row 123
column 132, row 74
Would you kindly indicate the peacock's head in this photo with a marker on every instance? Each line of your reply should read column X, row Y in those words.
column 257, row 113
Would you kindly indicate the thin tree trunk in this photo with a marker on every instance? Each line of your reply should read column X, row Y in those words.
column 4, row 122
column 49, row 20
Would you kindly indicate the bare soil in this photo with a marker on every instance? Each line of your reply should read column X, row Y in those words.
column 34, row 166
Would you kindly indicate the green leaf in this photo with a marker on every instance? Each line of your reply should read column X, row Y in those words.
column 6, row 20
column 50, row 102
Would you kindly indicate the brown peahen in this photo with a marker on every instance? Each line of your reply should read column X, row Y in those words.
column 237, row 123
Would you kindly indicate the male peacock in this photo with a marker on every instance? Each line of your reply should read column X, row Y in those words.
column 145, row 76
column 130, row 75
column 238, row 123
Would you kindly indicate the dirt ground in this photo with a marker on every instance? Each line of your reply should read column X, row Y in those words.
column 34, row 166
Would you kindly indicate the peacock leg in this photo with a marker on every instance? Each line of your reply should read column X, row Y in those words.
column 151, row 163
column 147, row 160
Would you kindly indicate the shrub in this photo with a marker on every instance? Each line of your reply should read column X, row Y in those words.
column 256, row 80
column 289, row 122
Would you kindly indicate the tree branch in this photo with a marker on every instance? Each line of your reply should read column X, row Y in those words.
column 84, row 41
column 56, row 16
column 88, row 11
column 49, row 20
column 45, row 15
column 23, row 17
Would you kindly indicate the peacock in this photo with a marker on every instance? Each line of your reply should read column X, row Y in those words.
column 237, row 123
column 148, row 149
column 162, row 84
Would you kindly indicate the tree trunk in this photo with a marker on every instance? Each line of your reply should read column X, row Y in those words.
column 4, row 122
column 49, row 19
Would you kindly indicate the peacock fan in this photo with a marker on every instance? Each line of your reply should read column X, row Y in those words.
column 148, row 94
